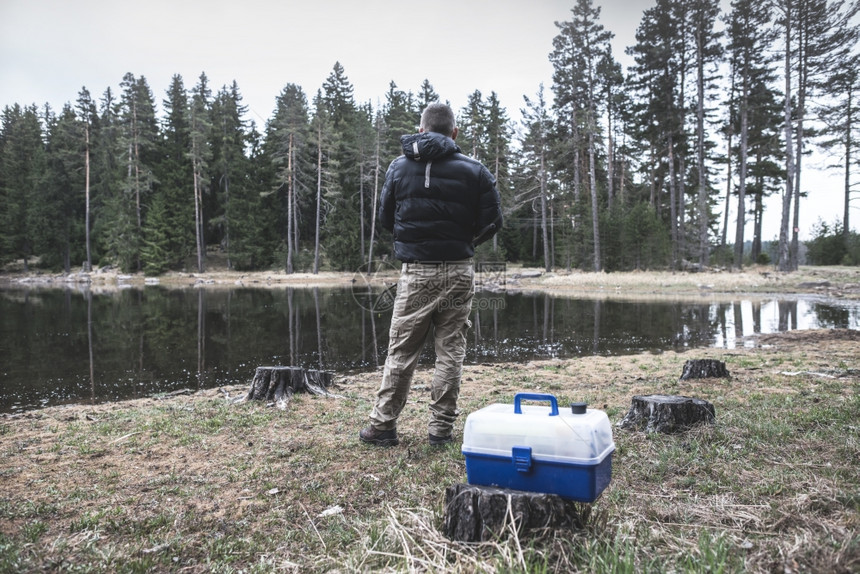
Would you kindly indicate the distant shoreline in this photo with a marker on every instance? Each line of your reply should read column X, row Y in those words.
column 831, row 282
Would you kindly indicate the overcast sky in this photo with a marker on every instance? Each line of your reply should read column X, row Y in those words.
column 49, row 49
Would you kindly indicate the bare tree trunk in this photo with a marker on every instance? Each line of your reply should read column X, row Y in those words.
column 88, row 266
column 742, row 178
column 595, row 221
column 652, row 198
column 543, row 191
column 290, row 207
column 135, row 131
column 577, row 175
column 361, row 206
column 849, row 144
column 681, row 195
column 319, row 202
column 373, row 202
column 610, row 158
column 552, row 234
column 496, row 169
column 729, row 137
column 784, row 255
column 702, row 207
column 673, row 205
column 198, row 224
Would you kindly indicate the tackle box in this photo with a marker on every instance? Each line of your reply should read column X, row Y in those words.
column 539, row 448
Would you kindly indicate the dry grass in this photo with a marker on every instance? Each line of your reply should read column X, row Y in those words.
column 842, row 282
column 197, row 484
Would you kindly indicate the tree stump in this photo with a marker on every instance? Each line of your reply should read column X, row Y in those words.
column 667, row 413
column 703, row 369
column 475, row 513
column 277, row 384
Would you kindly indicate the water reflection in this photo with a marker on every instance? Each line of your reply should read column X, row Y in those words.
column 59, row 346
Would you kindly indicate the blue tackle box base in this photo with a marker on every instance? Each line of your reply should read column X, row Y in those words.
column 582, row 483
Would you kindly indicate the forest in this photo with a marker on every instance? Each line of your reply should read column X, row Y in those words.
column 607, row 169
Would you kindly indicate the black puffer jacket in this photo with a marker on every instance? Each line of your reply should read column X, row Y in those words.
column 438, row 202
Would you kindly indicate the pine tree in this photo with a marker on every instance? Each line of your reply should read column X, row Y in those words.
column 579, row 48
column 324, row 140
column 400, row 116
column 660, row 71
column 472, row 122
column 707, row 53
column 168, row 239
column 22, row 163
column 229, row 162
column 426, row 96
column 138, row 137
column 287, row 138
column 349, row 145
column 56, row 214
column 825, row 37
column 750, row 36
column 499, row 136
column 107, row 176
column 538, row 124
column 841, row 116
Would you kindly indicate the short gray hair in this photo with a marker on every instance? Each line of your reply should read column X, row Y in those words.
column 438, row 118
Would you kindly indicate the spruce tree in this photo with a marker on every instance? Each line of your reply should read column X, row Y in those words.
column 472, row 121
column 535, row 146
column 578, row 50
column 56, row 214
column 750, row 36
column 499, row 133
column 137, row 140
column 229, row 163
column 841, row 116
column 346, row 151
column 825, row 34
column 168, row 231
column 286, row 149
column 107, row 176
column 707, row 52
column 23, row 161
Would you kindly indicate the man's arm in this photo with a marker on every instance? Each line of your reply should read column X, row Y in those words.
column 386, row 200
column 489, row 209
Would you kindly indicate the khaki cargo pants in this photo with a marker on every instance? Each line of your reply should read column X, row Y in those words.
column 429, row 295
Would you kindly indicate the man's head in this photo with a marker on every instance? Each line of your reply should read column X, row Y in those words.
column 439, row 118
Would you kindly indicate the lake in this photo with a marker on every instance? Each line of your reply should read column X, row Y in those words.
column 60, row 346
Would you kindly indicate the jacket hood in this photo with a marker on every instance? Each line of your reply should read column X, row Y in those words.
column 427, row 146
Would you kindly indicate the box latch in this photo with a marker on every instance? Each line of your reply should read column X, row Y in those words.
column 522, row 457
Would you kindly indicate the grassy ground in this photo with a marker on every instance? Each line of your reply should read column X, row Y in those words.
column 197, row 484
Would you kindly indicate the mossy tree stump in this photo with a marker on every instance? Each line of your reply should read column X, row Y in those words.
column 704, row 369
column 277, row 384
column 667, row 413
column 476, row 513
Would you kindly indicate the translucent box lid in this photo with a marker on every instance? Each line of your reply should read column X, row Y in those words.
column 574, row 435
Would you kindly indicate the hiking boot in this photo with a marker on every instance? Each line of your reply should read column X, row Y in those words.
column 440, row 440
column 374, row 436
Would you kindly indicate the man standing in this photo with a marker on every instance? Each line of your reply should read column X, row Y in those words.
column 439, row 204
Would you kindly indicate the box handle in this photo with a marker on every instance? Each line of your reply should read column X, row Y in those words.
column 535, row 397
